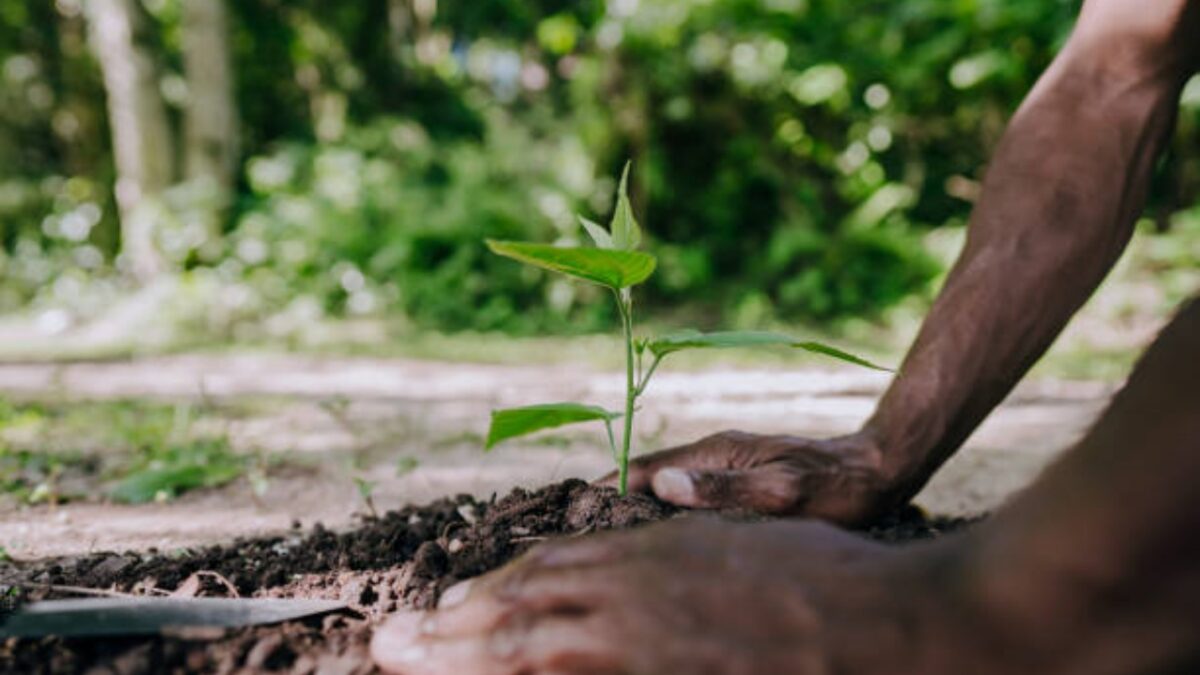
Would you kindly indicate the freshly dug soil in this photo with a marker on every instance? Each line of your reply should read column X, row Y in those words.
column 402, row 559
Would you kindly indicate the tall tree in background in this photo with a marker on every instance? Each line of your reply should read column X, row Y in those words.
column 210, row 125
column 142, row 146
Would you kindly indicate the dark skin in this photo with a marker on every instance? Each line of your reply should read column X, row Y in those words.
column 1059, row 203
column 1092, row 570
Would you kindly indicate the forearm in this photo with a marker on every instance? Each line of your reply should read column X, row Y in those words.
column 1058, row 206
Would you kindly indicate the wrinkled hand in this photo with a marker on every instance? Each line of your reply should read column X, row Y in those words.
column 839, row 480
column 696, row 595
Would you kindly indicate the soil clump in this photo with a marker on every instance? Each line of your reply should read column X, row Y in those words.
column 401, row 559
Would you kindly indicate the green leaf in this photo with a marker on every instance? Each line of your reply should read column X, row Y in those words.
column 828, row 350
column 626, row 234
column 171, row 480
column 177, row 469
column 615, row 269
column 598, row 234
column 365, row 487
column 693, row 339
column 406, row 465
column 514, row 422
column 639, row 346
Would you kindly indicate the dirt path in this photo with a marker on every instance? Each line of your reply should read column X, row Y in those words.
column 383, row 416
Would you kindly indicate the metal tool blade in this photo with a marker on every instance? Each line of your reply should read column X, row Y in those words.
column 148, row 616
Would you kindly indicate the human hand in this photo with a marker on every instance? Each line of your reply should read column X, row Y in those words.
column 838, row 479
column 696, row 595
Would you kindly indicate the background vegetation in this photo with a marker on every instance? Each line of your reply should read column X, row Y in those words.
column 286, row 161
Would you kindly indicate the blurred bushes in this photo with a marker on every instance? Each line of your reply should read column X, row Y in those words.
column 789, row 154
column 391, row 218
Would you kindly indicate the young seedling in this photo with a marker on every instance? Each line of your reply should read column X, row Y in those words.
column 366, row 492
column 616, row 264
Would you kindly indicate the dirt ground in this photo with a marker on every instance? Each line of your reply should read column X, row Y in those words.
column 399, row 560
column 338, row 418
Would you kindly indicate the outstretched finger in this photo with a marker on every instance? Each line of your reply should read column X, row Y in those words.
column 522, row 645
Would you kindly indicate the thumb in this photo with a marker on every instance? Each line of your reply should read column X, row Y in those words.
column 766, row 489
column 638, row 478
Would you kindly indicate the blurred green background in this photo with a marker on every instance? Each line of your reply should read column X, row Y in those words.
column 251, row 168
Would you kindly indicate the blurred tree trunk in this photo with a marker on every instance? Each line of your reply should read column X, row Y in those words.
column 210, row 124
column 400, row 20
column 141, row 135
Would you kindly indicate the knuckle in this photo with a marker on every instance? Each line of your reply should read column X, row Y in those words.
column 729, row 436
column 713, row 485
column 776, row 488
column 782, row 492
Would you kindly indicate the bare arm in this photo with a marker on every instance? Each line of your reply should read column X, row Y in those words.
column 1058, row 206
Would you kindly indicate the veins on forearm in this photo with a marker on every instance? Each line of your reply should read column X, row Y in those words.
column 1058, row 207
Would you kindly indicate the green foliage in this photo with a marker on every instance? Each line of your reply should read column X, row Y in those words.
column 514, row 422
column 406, row 465
column 692, row 339
column 618, row 269
column 615, row 269
column 625, row 231
column 176, row 470
column 841, row 355
column 391, row 221
column 599, row 235
column 366, row 488
column 126, row 450
column 791, row 153
column 32, row 477
column 366, row 492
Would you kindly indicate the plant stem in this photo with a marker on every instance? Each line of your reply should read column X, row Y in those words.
column 612, row 441
column 643, row 381
column 638, row 377
column 625, row 303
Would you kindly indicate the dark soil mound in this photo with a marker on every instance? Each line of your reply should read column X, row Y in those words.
column 404, row 558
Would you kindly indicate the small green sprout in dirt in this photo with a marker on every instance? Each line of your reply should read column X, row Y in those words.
column 53, row 452
column 177, row 468
column 406, row 465
column 366, row 492
column 616, row 264
column 178, row 458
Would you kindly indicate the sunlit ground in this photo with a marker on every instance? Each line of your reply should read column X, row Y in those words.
column 350, row 416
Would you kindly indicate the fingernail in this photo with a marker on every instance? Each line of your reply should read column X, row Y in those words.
column 674, row 485
column 455, row 595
